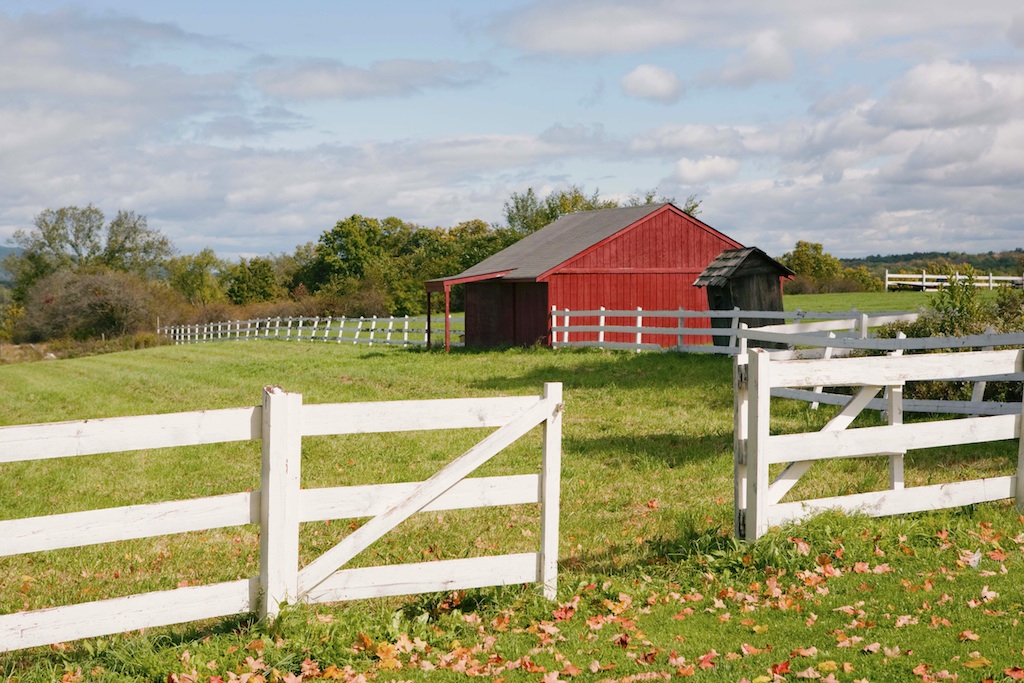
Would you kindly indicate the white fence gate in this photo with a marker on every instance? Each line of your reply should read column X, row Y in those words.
column 281, row 505
column 756, row 375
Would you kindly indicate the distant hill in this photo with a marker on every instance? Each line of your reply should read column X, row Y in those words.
column 997, row 263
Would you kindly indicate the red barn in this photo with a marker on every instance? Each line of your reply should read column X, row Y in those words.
column 646, row 256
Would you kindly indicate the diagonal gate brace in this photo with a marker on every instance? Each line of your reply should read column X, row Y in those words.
column 320, row 569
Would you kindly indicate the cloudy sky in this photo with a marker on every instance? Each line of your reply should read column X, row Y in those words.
column 871, row 126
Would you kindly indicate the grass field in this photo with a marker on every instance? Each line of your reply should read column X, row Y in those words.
column 651, row 583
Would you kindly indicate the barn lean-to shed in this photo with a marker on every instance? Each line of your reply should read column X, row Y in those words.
column 639, row 256
column 748, row 279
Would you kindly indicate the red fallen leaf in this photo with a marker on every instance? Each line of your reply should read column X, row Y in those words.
column 748, row 649
column 682, row 615
column 780, row 668
column 675, row 660
column 804, row 652
column 685, row 670
column 652, row 504
column 861, row 568
column 802, row 546
column 998, row 555
column 707, row 661
column 968, row 635
column 622, row 640
column 571, row 670
column 1015, row 672
column 921, row 669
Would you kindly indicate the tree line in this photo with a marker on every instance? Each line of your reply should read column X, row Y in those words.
column 77, row 275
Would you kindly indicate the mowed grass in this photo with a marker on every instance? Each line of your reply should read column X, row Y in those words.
column 868, row 302
column 646, row 529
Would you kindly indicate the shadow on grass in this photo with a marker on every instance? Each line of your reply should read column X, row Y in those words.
column 650, row 451
column 622, row 371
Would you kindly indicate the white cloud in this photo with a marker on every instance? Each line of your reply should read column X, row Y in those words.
column 329, row 79
column 765, row 58
column 1015, row 34
column 705, row 169
column 943, row 94
column 649, row 82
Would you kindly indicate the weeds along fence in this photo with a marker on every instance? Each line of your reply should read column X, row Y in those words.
column 931, row 282
column 756, row 376
column 402, row 331
column 698, row 331
column 280, row 505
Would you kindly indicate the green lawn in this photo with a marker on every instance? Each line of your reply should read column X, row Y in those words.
column 651, row 579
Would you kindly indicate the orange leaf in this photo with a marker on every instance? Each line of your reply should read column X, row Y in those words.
column 968, row 635
column 1016, row 673
column 780, row 668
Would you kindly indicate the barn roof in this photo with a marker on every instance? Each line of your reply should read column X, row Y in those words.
column 554, row 244
column 730, row 262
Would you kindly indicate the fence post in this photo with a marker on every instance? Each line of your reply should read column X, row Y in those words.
column 741, row 408
column 405, row 331
column 550, row 486
column 639, row 323
column 1019, row 489
column 373, row 328
column 733, row 326
column 759, row 419
column 279, row 500
column 825, row 355
column 600, row 323
column 341, row 329
column 886, row 280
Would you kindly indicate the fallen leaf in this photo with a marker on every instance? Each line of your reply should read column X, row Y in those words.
column 977, row 663
column 968, row 635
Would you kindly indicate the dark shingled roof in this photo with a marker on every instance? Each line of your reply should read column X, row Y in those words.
column 728, row 262
column 552, row 245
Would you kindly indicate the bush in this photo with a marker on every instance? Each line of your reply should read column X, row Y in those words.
column 87, row 305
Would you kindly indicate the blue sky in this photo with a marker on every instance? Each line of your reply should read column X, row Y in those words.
column 251, row 127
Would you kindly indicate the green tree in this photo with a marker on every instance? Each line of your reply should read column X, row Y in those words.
column 810, row 260
column 197, row 277
column 526, row 212
column 691, row 206
column 77, row 240
column 251, row 281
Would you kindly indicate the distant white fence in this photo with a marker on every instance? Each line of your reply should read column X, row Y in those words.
column 281, row 505
column 401, row 331
column 688, row 331
column 757, row 376
column 931, row 282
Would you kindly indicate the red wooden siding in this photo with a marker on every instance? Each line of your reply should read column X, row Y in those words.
column 651, row 265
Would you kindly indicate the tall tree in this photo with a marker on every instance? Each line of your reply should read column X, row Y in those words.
column 77, row 240
column 196, row 277
column 251, row 281
column 526, row 212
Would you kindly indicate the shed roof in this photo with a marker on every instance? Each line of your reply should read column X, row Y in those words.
column 728, row 264
column 554, row 244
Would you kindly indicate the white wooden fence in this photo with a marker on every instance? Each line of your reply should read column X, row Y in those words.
column 403, row 331
column 280, row 506
column 816, row 346
column 756, row 376
column 686, row 331
column 931, row 282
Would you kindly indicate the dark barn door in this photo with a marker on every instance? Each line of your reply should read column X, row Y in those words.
column 531, row 313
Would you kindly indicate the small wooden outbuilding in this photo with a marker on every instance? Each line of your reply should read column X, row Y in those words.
column 638, row 256
column 746, row 278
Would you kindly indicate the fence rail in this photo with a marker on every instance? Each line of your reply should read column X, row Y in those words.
column 931, row 282
column 401, row 331
column 688, row 331
column 280, row 505
column 757, row 376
